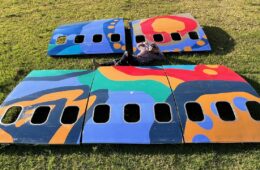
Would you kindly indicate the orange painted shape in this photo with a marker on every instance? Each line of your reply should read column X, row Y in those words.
column 62, row 133
column 115, row 75
column 111, row 27
column 176, row 50
column 5, row 137
column 117, row 45
column 212, row 66
column 200, row 42
column 187, row 49
column 167, row 25
column 243, row 129
column 22, row 121
column 123, row 48
column 210, row 72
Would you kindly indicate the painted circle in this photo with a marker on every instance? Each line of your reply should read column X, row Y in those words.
column 210, row 72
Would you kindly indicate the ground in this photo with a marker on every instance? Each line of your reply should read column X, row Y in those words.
column 26, row 26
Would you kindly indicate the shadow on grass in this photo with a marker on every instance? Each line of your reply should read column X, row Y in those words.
column 221, row 42
column 107, row 149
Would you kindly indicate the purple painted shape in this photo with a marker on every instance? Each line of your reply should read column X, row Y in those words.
column 200, row 139
column 240, row 103
column 207, row 123
column 214, row 109
column 29, row 87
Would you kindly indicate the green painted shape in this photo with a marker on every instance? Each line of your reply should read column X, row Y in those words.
column 48, row 73
column 51, row 46
column 75, row 49
column 157, row 90
column 87, row 79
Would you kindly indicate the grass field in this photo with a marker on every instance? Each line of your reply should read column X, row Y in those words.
column 233, row 28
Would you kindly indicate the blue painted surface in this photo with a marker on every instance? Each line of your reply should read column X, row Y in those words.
column 89, row 29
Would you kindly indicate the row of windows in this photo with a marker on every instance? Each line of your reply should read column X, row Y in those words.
column 132, row 113
column 40, row 115
column 97, row 38
column 224, row 109
column 162, row 113
column 175, row 37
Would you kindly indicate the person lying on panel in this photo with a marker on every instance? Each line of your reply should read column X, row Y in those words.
column 148, row 53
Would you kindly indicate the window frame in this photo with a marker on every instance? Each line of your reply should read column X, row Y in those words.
column 109, row 114
column 115, row 34
column 158, row 41
column 96, row 35
column 188, row 114
column 63, row 113
column 141, row 41
column 178, row 34
column 171, row 113
column 39, row 124
column 65, row 42
column 18, row 117
column 236, row 118
column 139, row 106
column 82, row 41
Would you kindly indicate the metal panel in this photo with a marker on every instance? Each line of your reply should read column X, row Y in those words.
column 118, row 86
column 181, row 24
column 56, row 89
column 207, row 85
column 88, row 29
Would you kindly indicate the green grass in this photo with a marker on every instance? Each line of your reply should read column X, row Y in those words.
column 26, row 26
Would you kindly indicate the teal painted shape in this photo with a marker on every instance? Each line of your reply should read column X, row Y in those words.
column 71, row 50
column 48, row 73
column 157, row 90
column 183, row 67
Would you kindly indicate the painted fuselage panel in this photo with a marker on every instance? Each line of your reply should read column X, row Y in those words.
column 207, row 85
column 56, row 89
column 118, row 86
column 165, row 26
column 105, row 28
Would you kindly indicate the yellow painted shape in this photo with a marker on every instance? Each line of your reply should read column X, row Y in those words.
column 115, row 75
column 212, row 66
column 22, row 121
column 111, row 27
column 62, row 133
column 5, row 137
column 167, row 25
column 210, row 72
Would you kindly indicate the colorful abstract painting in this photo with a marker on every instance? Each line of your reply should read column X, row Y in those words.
column 92, row 37
column 133, row 105
column 172, row 33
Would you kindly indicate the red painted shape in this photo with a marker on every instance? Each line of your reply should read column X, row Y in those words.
column 223, row 73
column 147, row 28
column 136, row 71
